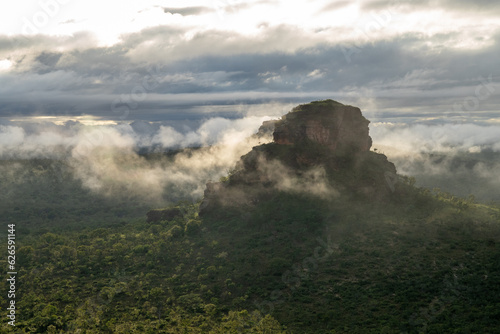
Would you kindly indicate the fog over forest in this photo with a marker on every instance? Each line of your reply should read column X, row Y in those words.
column 107, row 158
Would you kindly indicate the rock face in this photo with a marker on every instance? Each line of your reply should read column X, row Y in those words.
column 267, row 129
column 321, row 148
column 329, row 123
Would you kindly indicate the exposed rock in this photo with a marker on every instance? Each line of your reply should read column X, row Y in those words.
column 163, row 214
column 339, row 127
column 211, row 191
column 267, row 128
column 324, row 145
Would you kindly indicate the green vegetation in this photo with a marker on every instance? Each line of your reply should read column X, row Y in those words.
column 417, row 261
column 43, row 195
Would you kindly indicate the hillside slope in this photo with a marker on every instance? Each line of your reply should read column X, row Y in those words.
column 308, row 234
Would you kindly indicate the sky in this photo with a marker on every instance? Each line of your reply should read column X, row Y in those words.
column 177, row 60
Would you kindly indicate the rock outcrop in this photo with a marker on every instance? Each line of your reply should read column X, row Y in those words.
column 321, row 145
column 329, row 123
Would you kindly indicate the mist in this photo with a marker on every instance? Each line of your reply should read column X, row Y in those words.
column 120, row 159
column 107, row 159
column 313, row 181
column 463, row 159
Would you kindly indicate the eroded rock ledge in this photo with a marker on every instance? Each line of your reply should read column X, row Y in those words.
column 323, row 145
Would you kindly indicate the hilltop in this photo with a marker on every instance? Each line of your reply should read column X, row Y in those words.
column 321, row 148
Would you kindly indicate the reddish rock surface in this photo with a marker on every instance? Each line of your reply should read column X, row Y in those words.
column 329, row 123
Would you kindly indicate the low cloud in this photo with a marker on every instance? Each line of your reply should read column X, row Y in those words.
column 115, row 167
column 462, row 159
column 106, row 159
column 313, row 181
column 396, row 139
column 16, row 142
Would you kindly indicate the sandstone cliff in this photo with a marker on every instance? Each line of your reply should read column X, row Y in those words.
column 329, row 123
column 321, row 149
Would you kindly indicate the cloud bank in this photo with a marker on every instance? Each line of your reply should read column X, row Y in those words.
column 107, row 159
column 462, row 159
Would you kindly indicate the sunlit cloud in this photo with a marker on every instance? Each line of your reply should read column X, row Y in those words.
column 5, row 65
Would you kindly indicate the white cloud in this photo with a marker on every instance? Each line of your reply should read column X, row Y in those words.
column 214, row 131
column 104, row 157
column 350, row 22
column 168, row 137
column 316, row 74
column 5, row 65
column 404, row 140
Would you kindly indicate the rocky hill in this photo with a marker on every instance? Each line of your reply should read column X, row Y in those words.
column 322, row 148
column 338, row 127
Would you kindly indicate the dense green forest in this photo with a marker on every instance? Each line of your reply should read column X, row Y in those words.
column 419, row 261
